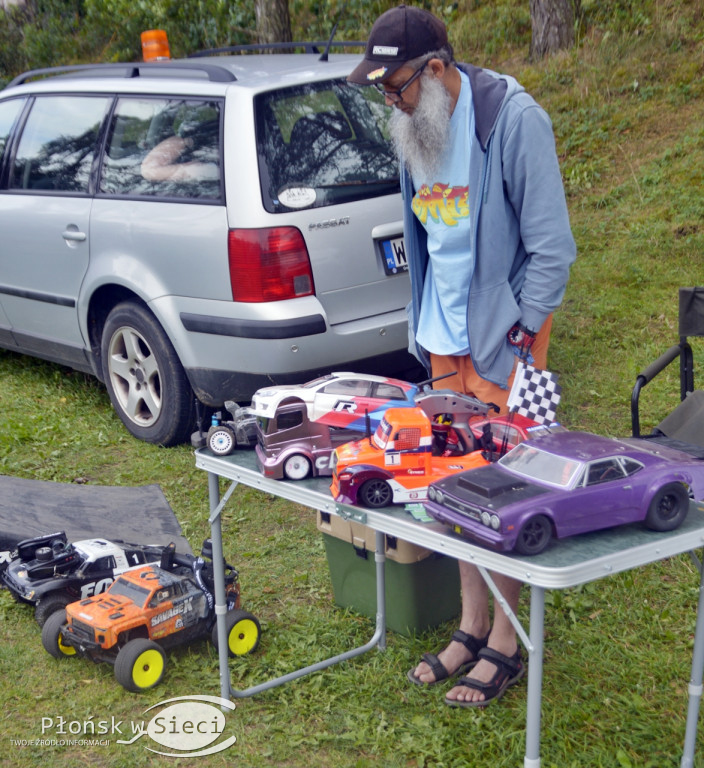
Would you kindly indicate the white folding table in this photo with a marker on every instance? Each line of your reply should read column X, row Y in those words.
column 567, row 563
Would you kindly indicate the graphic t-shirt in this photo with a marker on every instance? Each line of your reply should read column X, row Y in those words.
column 441, row 204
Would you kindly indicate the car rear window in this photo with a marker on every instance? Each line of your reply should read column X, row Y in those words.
column 323, row 144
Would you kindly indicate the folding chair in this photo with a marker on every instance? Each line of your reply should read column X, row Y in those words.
column 684, row 427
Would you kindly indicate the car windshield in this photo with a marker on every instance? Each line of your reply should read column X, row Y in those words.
column 323, row 144
column 530, row 462
column 138, row 595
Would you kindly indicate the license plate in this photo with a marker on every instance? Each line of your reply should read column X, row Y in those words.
column 456, row 529
column 394, row 256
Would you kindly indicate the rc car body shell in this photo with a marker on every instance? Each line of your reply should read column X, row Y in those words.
column 340, row 399
column 291, row 435
column 48, row 566
column 400, row 454
column 168, row 606
column 568, row 483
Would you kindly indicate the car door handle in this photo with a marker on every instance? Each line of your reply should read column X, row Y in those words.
column 74, row 235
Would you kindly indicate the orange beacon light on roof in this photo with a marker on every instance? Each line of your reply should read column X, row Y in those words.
column 155, row 45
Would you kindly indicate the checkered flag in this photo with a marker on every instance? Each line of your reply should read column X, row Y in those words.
column 534, row 393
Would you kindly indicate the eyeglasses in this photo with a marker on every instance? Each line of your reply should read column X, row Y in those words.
column 396, row 95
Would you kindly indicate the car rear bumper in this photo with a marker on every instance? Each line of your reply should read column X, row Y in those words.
column 213, row 386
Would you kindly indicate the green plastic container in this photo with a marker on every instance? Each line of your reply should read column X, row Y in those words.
column 422, row 587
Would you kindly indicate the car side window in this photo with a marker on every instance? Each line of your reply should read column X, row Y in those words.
column 166, row 148
column 603, row 471
column 9, row 110
column 349, row 388
column 57, row 146
column 289, row 420
column 160, row 596
column 389, row 392
column 631, row 466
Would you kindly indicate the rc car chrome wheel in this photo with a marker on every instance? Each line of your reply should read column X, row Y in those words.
column 221, row 440
column 52, row 636
column 144, row 377
column 296, row 467
column 140, row 665
column 668, row 508
column 534, row 536
column 376, row 493
column 243, row 633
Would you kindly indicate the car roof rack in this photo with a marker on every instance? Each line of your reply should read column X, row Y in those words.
column 213, row 72
column 308, row 47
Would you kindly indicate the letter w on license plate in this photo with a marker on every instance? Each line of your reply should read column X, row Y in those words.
column 394, row 256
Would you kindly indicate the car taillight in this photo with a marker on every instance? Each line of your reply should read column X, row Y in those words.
column 269, row 264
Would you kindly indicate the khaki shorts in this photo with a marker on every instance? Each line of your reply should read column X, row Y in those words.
column 468, row 381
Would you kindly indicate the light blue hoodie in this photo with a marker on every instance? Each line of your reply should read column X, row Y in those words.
column 520, row 227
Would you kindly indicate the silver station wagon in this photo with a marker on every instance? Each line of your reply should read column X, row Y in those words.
column 191, row 230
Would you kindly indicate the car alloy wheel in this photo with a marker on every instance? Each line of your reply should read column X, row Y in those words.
column 144, row 377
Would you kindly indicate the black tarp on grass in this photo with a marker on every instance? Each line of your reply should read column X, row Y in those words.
column 35, row 507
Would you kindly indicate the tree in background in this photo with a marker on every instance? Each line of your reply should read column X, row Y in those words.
column 553, row 26
column 273, row 21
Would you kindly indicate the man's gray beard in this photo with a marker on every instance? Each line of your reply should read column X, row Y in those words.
column 420, row 139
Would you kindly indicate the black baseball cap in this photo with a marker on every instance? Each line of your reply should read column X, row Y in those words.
column 398, row 35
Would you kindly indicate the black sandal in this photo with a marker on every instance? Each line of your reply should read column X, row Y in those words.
column 473, row 644
column 509, row 670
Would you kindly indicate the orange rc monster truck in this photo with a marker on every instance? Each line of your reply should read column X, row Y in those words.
column 146, row 610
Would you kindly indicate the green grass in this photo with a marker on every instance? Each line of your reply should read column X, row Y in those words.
column 626, row 106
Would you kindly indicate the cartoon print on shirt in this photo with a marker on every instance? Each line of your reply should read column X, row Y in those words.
column 442, row 203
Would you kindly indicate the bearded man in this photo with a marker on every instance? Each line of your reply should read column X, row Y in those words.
column 489, row 248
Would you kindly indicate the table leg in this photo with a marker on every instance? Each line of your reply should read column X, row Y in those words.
column 695, row 683
column 219, row 582
column 535, row 677
column 380, row 560
column 227, row 691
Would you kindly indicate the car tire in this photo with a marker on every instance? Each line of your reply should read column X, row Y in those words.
column 221, row 440
column 376, row 493
column 296, row 467
column 243, row 633
column 52, row 636
column 144, row 377
column 140, row 665
column 534, row 535
column 668, row 508
column 44, row 608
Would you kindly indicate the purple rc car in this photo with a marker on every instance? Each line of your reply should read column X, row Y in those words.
column 564, row 484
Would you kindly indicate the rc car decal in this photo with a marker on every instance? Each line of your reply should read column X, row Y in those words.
column 95, row 587
column 176, row 610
